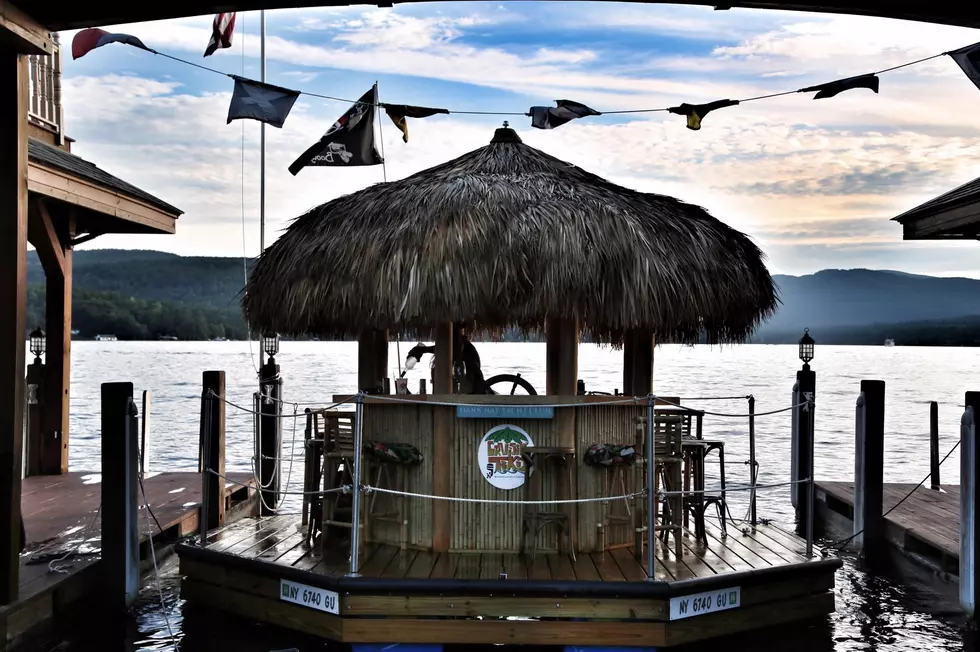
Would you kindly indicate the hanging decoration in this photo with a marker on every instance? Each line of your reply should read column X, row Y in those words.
column 260, row 101
column 88, row 39
column 398, row 113
column 548, row 117
column 221, row 33
column 695, row 112
column 830, row 89
column 349, row 141
column 968, row 59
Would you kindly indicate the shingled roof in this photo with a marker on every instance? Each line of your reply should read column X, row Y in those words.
column 955, row 214
column 55, row 157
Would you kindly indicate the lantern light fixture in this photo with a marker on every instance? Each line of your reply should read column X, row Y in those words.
column 270, row 344
column 38, row 344
column 806, row 347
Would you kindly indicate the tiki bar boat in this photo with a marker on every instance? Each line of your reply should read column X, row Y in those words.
column 480, row 509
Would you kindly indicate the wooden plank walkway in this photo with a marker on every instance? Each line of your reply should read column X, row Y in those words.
column 928, row 522
column 61, row 513
column 281, row 540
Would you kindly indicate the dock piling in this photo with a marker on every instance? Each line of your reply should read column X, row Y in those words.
column 270, row 437
column 969, row 494
column 212, row 452
column 145, row 434
column 934, row 444
column 869, row 465
column 794, row 437
column 753, row 466
column 120, row 496
column 806, row 380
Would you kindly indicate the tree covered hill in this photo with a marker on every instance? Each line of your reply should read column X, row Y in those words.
column 148, row 294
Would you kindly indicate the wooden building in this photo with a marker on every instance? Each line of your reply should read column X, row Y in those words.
column 954, row 215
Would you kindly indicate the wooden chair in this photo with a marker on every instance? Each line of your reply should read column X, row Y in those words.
column 329, row 465
column 669, row 462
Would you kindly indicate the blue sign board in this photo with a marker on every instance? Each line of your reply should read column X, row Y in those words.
column 505, row 411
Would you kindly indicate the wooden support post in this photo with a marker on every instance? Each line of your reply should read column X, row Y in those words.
column 13, row 307
column 638, row 362
column 213, row 450
column 969, row 499
column 869, row 466
column 270, row 437
column 372, row 360
column 442, row 438
column 145, row 434
column 934, row 444
column 120, row 496
column 51, row 237
column 35, row 411
column 807, row 380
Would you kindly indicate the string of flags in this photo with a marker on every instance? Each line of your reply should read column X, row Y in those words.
column 350, row 140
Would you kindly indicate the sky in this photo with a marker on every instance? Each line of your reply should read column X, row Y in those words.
column 814, row 182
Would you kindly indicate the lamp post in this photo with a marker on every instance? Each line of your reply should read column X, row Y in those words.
column 33, row 383
column 38, row 344
column 269, row 445
column 804, row 448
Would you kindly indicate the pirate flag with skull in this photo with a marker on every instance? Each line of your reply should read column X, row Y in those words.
column 349, row 141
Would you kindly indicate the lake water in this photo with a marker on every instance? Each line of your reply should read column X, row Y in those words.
column 872, row 612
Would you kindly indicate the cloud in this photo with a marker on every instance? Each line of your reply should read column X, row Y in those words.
column 813, row 182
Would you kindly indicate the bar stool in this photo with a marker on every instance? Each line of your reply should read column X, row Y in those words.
column 536, row 517
column 390, row 462
column 697, row 504
column 617, row 464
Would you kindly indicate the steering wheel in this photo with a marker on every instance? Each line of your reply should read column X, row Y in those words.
column 514, row 380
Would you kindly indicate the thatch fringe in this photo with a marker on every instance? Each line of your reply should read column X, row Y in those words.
column 508, row 236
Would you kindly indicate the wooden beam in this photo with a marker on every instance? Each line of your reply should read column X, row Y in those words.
column 61, row 185
column 638, row 362
column 21, row 33
column 57, row 368
column 13, row 306
column 42, row 234
column 372, row 359
column 442, row 438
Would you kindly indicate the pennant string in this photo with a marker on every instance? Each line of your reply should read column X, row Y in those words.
column 525, row 113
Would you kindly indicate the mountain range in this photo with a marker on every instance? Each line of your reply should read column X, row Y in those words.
column 856, row 306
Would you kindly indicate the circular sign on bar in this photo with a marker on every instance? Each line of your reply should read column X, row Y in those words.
column 500, row 458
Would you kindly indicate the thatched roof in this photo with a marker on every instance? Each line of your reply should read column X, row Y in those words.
column 507, row 235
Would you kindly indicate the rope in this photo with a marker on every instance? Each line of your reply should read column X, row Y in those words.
column 345, row 489
column 736, row 416
column 454, row 499
column 730, row 489
column 295, row 415
column 637, row 400
column 52, row 568
column 843, row 542
column 153, row 555
column 715, row 398
column 526, row 113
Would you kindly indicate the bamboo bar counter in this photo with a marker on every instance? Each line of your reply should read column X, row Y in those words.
column 477, row 513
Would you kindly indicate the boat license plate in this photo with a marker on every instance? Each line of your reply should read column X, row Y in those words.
column 698, row 604
column 309, row 596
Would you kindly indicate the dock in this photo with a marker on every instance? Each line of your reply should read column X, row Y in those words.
column 263, row 568
column 926, row 525
column 62, row 514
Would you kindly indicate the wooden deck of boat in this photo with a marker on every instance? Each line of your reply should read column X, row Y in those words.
column 926, row 524
column 413, row 596
column 281, row 540
column 61, row 513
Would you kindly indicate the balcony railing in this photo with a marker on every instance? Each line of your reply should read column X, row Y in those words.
column 45, row 109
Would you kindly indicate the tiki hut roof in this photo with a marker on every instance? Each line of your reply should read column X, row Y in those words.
column 509, row 236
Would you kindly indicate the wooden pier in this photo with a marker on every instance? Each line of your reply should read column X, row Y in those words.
column 62, row 513
column 599, row 598
column 926, row 525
